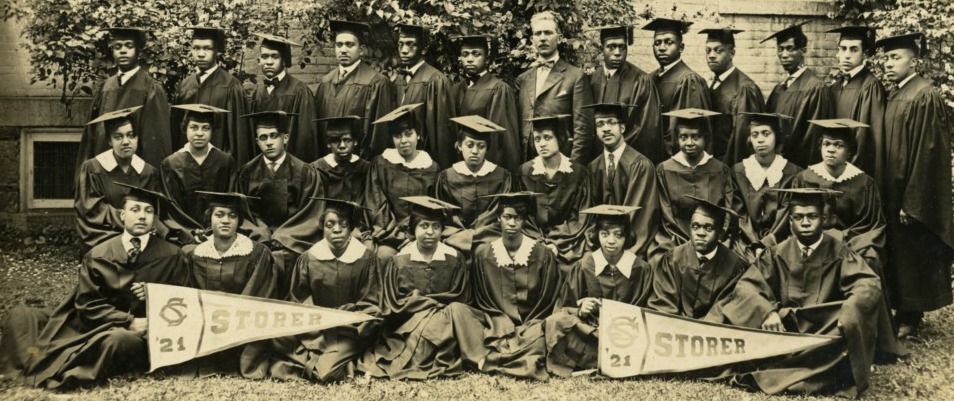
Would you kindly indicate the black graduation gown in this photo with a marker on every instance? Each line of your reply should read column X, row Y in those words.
column 150, row 123
column 572, row 342
column 291, row 96
column 918, row 163
column 469, row 191
column 634, row 184
column 418, row 341
column 807, row 98
column 682, row 287
column 430, row 86
column 832, row 292
column 74, row 347
column 558, row 207
column 182, row 176
column 231, row 133
column 364, row 92
column 736, row 94
column 349, row 283
column 503, row 331
column 344, row 181
column 711, row 181
column 863, row 99
column 98, row 199
column 631, row 85
column 495, row 100
column 762, row 206
column 679, row 88
column 387, row 183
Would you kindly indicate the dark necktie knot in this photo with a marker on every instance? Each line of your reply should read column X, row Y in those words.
column 545, row 64
column 136, row 249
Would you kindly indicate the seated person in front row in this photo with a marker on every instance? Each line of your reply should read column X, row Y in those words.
column 516, row 283
column 99, row 330
column 337, row 272
column 198, row 166
column 284, row 187
column 417, row 284
column 228, row 262
column 813, row 283
column 691, row 278
column 609, row 272
column 98, row 197
column 691, row 171
column 623, row 176
column 404, row 170
column 468, row 183
column 564, row 188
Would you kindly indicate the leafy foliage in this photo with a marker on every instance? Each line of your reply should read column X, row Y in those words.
column 895, row 17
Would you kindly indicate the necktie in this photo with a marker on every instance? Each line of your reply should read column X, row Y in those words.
column 273, row 166
column 273, row 82
column 544, row 64
column 715, row 82
column 844, row 79
column 134, row 252
column 407, row 73
column 122, row 78
column 611, row 167
column 805, row 252
column 703, row 260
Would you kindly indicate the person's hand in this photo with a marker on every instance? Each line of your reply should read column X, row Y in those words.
column 139, row 326
column 139, row 290
column 773, row 322
column 553, row 248
column 587, row 306
column 903, row 218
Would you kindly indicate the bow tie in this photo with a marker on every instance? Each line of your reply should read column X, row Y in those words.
column 271, row 82
column 544, row 64
column 406, row 72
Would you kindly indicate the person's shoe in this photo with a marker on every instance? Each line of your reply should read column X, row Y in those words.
column 906, row 331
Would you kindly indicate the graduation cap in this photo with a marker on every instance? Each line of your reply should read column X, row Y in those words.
column 808, row 196
column 485, row 42
column 238, row 202
column 677, row 27
column 793, row 31
column 840, row 128
column 615, row 31
column 400, row 119
column 278, row 119
column 612, row 213
column 691, row 118
column 348, row 209
column 115, row 119
column 137, row 35
column 413, row 30
column 723, row 35
column 426, row 207
column 477, row 127
column 217, row 35
column 526, row 199
column 617, row 110
column 914, row 41
column 336, row 127
column 282, row 45
column 552, row 123
column 358, row 29
column 143, row 195
column 716, row 212
column 199, row 112
column 863, row 33
column 773, row 120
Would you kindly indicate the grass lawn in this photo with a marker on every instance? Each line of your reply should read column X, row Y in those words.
column 46, row 273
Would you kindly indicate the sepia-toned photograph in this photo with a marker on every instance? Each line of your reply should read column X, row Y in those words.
column 476, row 200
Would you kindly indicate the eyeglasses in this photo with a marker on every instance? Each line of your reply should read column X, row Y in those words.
column 801, row 217
column 709, row 228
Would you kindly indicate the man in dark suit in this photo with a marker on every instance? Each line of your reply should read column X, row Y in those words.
column 678, row 85
column 130, row 87
column 859, row 94
column 354, row 88
column 732, row 93
column 281, row 91
column 419, row 82
column 619, row 81
column 802, row 95
column 554, row 87
column 214, row 86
